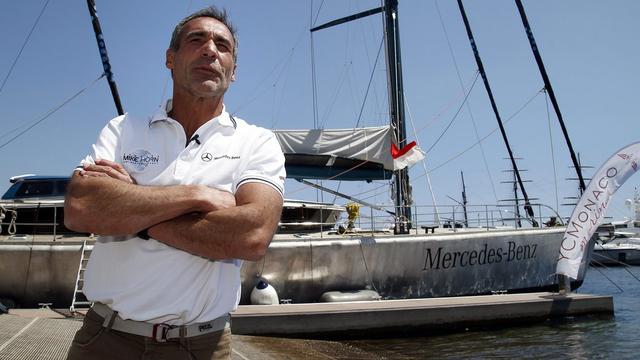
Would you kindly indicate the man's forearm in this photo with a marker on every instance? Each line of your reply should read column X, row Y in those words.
column 107, row 206
column 241, row 232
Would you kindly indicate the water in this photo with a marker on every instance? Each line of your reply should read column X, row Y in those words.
column 591, row 337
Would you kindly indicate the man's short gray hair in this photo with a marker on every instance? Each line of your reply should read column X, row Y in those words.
column 212, row 12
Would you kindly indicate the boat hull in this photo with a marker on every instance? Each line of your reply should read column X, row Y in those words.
column 415, row 266
column 301, row 270
column 616, row 256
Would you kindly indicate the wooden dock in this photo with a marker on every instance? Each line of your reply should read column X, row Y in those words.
column 46, row 334
column 404, row 317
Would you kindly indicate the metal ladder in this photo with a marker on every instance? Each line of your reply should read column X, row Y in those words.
column 79, row 299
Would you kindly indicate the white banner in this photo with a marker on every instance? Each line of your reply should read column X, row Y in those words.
column 589, row 212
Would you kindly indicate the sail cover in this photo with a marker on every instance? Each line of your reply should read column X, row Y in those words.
column 338, row 154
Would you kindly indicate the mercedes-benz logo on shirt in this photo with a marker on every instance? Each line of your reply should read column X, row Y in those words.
column 206, row 157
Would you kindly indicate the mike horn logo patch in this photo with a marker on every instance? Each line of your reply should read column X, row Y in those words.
column 140, row 159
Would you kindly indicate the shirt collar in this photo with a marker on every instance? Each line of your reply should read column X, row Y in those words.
column 225, row 119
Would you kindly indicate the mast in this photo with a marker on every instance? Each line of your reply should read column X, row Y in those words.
column 104, row 56
column 464, row 201
column 527, row 204
column 396, row 113
column 552, row 96
column 396, row 103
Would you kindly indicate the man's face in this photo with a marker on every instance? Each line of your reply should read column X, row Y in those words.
column 203, row 65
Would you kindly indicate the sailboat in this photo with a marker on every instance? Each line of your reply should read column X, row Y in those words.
column 398, row 263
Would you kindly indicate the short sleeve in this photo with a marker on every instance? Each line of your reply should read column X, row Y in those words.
column 266, row 164
column 108, row 143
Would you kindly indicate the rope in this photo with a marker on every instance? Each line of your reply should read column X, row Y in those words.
column 366, row 268
column 606, row 277
column 52, row 111
column 24, row 44
column 11, row 229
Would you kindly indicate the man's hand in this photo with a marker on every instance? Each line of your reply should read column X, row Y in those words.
column 214, row 199
column 107, row 168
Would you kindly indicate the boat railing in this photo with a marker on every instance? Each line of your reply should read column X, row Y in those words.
column 453, row 217
column 44, row 223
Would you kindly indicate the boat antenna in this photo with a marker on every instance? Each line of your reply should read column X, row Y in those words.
column 552, row 96
column 527, row 204
column 104, row 56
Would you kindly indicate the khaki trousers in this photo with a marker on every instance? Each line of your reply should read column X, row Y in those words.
column 95, row 342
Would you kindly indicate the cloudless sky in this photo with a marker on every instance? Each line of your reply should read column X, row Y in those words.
column 590, row 49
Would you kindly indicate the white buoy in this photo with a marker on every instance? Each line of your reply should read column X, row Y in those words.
column 264, row 294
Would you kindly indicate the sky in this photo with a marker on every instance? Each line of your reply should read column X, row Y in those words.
column 589, row 47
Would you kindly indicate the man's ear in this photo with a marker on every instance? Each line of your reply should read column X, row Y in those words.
column 170, row 54
column 233, row 75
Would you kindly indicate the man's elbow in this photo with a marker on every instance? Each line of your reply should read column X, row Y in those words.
column 73, row 216
column 258, row 245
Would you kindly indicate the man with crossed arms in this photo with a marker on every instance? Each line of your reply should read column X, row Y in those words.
column 199, row 189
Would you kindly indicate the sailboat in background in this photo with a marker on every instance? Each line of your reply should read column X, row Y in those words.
column 396, row 262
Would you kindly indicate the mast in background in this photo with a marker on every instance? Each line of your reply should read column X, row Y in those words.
column 527, row 205
column 104, row 56
column 464, row 201
column 552, row 96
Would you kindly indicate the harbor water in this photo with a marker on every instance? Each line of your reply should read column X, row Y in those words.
column 608, row 337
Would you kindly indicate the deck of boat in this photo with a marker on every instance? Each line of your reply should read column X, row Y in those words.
column 325, row 235
column 46, row 334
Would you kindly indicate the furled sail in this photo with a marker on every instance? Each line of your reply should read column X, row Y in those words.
column 338, row 154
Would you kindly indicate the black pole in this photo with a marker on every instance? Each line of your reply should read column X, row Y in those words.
column 103, row 55
column 552, row 96
column 464, row 201
column 527, row 204
column 396, row 112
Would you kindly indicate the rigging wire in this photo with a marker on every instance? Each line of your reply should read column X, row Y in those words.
column 455, row 98
column 455, row 116
column 553, row 156
column 424, row 165
column 52, row 111
column 313, row 22
column 473, row 120
column 366, row 93
column 24, row 44
column 11, row 131
column 486, row 136
column 336, row 93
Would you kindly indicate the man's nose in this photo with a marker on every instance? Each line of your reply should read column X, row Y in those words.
column 209, row 49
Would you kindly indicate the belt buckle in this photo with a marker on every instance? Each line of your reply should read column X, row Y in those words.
column 159, row 332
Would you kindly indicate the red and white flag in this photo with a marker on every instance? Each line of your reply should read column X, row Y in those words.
column 590, row 210
column 406, row 156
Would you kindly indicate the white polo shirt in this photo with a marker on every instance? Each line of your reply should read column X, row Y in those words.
column 146, row 280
